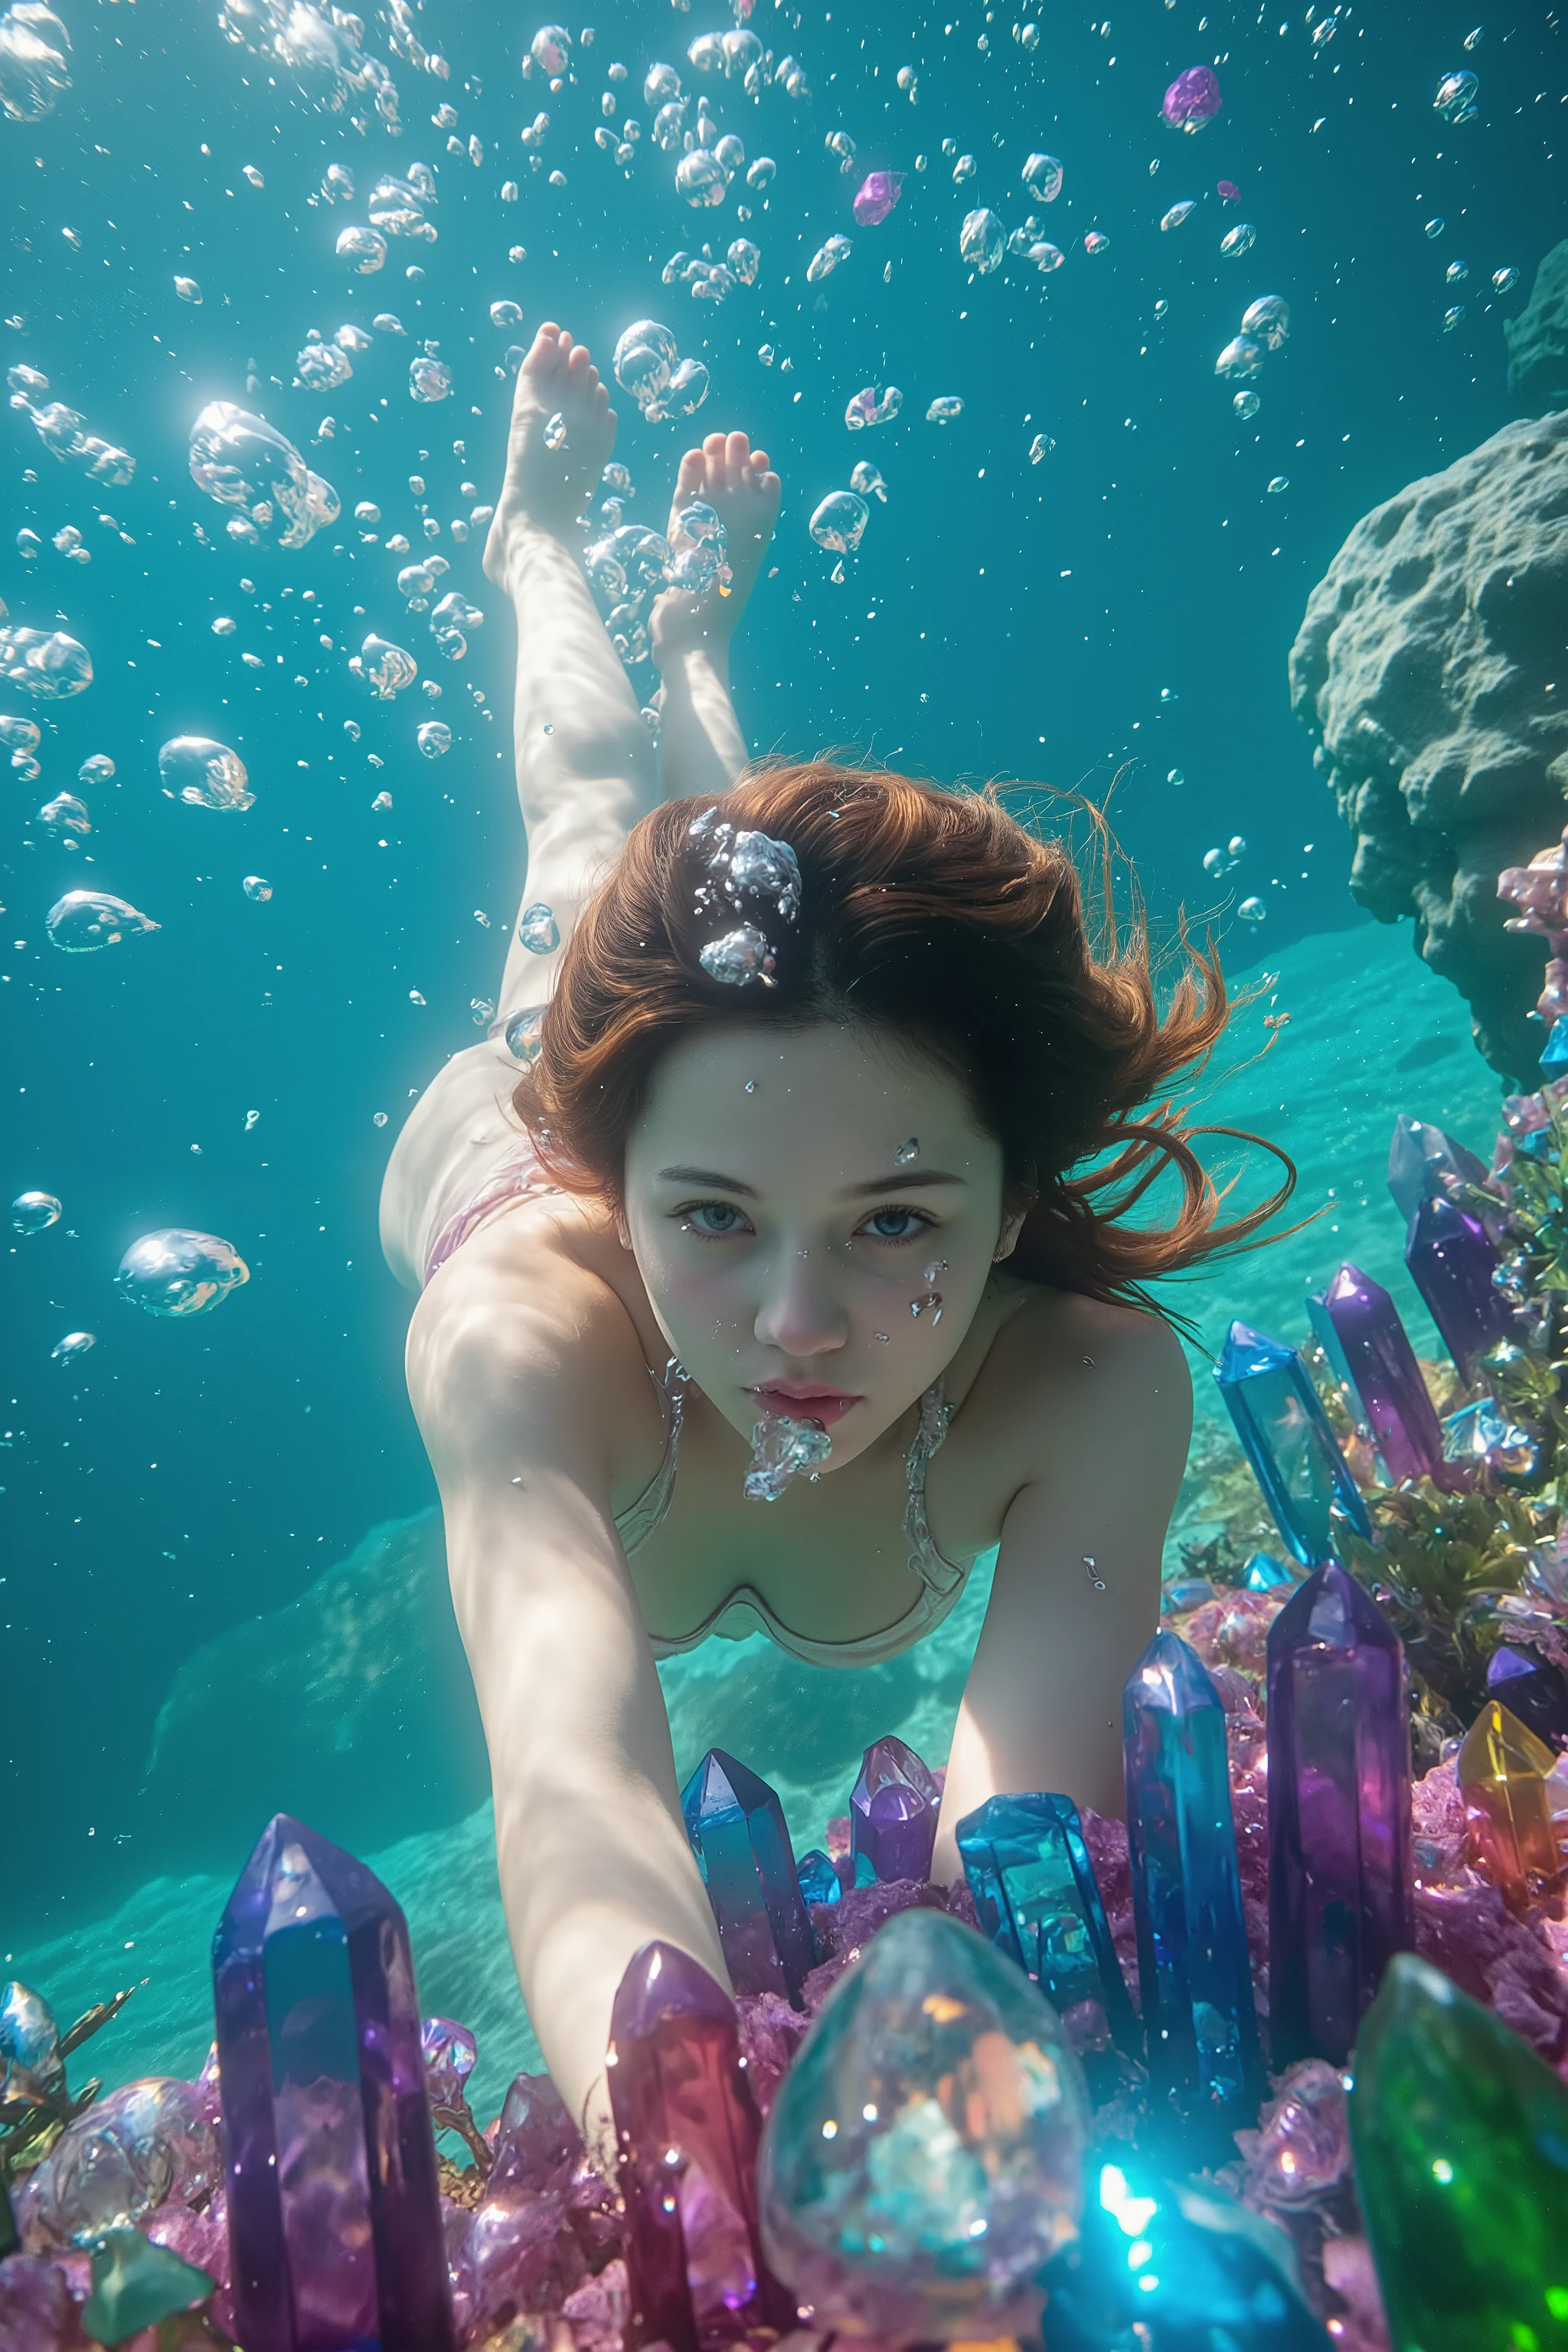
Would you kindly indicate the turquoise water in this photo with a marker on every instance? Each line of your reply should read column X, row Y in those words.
column 198, row 1626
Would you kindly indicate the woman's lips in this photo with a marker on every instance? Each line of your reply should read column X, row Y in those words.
column 826, row 1405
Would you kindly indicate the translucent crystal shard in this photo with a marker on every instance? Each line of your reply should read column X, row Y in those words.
column 1167, row 2266
column 1460, row 2135
column 334, row 2224
column 818, row 1879
column 1424, row 1162
column 1286, row 1436
column 736, row 1824
column 1038, row 1899
column 1502, row 1775
column 893, row 1811
column 923, row 2155
column 1452, row 1261
column 1532, row 1689
column 1192, row 1967
column 1340, row 1889
column 1381, row 1364
column 687, row 2131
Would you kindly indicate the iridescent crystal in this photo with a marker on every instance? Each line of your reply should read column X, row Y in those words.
column 922, row 2159
column 1502, row 1775
column 736, row 1825
column 334, row 2222
column 1460, row 2135
column 133, row 2149
column 1193, row 1963
column 687, row 2130
column 1170, row 2266
column 1380, row 1363
column 1301, row 2150
column 1340, row 1886
column 1286, row 1436
column 818, row 1879
column 893, row 1811
column 1452, row 1261
column 1038, row 1899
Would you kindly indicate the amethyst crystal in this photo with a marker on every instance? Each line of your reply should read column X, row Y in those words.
column 1341, row 1901
column 1452, row 1263
column 893, row 1811
column 687, row 2129
column 1424, row 1163
column 334, row 2220
column 736, row 1825
column 1191, row 99
column 1381, row 1362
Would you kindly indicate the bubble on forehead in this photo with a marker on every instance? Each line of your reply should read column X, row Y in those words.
column 909, row 1152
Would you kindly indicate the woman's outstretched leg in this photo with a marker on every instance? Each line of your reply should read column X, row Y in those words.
column 586, row 771
column 701, row 748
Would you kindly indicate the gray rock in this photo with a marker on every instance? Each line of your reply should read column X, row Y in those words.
column 1538, row 339
column 1432, row 669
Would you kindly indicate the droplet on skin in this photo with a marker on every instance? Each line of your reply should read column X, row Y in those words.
column 907, row 1151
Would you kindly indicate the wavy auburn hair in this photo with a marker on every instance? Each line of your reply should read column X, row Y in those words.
column 933, row 916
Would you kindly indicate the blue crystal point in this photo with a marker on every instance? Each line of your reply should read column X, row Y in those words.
column 819, row 1882
column 1193, row 1963
column 1286, row 1436
column 736, row 1825
column 1038, row 1899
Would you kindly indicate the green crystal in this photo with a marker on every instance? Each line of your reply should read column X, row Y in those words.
column 1460, row 2135
column 136, row 2284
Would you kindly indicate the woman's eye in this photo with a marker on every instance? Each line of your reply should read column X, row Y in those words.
column 894, row 1224
column 714, row 1218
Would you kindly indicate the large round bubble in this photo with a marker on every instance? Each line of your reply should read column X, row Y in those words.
column 1191, row 99
column 177, row 1271
column 34, row 1212
column 645, row 359
column 840, row 521
column 1267, row 320
column 44, row 662
column 243, row 462
column 205, row 774
column 1042, row 176
column 85, row 920
column 982, row 240
column 35, row 48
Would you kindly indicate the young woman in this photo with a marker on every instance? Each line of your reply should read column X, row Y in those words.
column 795, row 1163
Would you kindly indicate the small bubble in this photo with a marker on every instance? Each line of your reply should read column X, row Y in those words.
column 907, row 1151
column 379, row 1119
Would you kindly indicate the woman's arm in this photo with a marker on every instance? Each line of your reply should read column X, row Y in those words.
column 516, row 1377
column 1109, row 1425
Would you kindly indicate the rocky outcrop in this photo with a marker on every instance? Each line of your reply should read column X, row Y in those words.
column 1538, row 339
column 1432, row 667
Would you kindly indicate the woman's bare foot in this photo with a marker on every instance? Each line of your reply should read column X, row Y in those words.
column 733, row 479
column 547, row 488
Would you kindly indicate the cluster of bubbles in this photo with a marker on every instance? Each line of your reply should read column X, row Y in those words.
column 319, row 51
column 738, row 867
column 64, row 432
column 1265, row 328
column 35, row 61
column 241, row 461
column 628, row 565
column 44, row 662
column 710, row 280
column 984, row 242
column 648, row 365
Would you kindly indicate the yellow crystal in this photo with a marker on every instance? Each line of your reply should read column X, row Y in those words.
column 1502, row 1776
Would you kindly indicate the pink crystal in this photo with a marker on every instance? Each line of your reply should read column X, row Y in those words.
column 38, row 2313
column 687, row 2128
column 876, row 197
column 133, row 2149
column 1301, row 2148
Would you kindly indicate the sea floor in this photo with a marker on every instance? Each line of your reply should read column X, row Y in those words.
column 1370, row 1032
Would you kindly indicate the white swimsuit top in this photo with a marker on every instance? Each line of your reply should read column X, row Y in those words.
column 745, row 1611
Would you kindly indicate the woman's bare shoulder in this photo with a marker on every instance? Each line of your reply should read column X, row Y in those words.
column 521, row 1315
column 1079, row 1367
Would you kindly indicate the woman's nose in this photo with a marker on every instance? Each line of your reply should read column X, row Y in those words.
column 799, row 1313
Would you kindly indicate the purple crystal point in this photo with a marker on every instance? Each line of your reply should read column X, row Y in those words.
column 876, row 196
column 687, row 2129
column 1424, row 1163
column 1286, row 1436
column 1531, row 1688
column 1381, row 1362
column 736, row 1823
column 334, row 2218
column 1452, row 1263
column 1192, row 1961
column 1341, row 1902
column 893, row 1811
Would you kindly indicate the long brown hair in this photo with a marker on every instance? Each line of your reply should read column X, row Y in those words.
column 936, row 915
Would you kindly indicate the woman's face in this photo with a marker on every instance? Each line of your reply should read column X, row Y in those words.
column 815, row 1214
